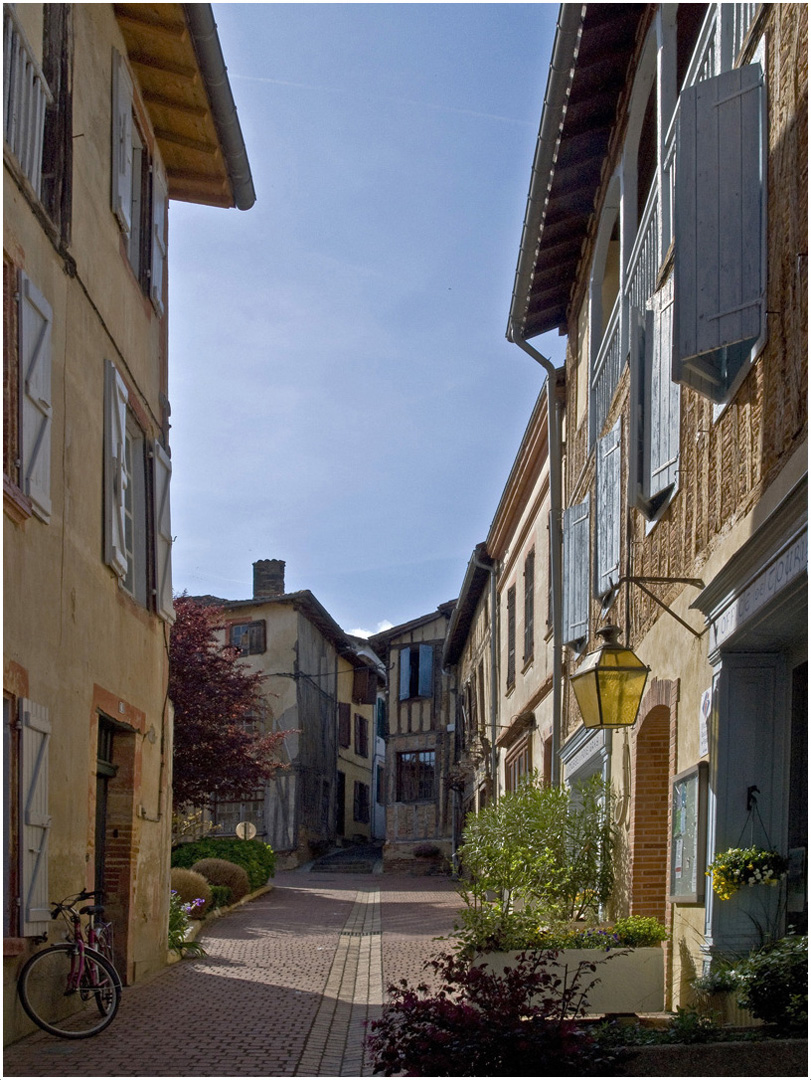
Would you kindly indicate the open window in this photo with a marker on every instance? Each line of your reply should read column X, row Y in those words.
column 416, row 672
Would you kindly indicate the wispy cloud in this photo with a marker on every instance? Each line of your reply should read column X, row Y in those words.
column 381, row 626
column 394, row 100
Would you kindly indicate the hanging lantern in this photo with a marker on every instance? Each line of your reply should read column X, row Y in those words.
column 610, row 683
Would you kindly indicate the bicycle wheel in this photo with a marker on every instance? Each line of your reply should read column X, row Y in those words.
column 46, row 994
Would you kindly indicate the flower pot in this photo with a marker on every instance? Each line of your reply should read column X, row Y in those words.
column 630, row 980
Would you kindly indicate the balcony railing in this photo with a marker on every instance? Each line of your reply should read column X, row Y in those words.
column 607, row 368
column 643, row 265
column 26, row 96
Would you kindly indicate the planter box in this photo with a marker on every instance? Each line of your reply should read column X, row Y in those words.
column 771, row 1057
column 631, row 981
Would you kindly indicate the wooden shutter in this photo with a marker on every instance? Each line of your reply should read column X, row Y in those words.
column 115, row 469
column 36, row 319
column 364, row 686
column 405, row 674
column 608, row 509
column 35, row 820
column 661, row 445
column 720, row 208
column 344, row 721
column 122, row 143
column 161, row 477
column 576, row 572
column 529, row 606
column 425, row 686
column 159, row 200
column 510, row 636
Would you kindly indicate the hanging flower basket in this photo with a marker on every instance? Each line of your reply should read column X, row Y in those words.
column 733, row 869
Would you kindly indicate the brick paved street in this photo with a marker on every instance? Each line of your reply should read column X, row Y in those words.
column 284, row 990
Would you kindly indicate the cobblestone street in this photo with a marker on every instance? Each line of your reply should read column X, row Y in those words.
column 284, row 990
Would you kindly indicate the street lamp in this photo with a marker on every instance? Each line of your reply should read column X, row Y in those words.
column 610, row 683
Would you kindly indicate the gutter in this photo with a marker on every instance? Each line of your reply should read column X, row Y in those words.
column 558, row 86
column 556, row 97
column 206, row 43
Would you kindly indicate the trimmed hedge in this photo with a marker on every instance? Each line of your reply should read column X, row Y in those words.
column 190, row 886
column 255, row 856
column 222, row 872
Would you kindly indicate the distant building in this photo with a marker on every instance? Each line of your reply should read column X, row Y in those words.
column 109, row 111
column 419, row 747
column 322, row 687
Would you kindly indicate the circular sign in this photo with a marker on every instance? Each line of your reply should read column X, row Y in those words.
column 246, row 830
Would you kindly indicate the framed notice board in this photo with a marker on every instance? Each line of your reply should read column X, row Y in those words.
column 688, row 836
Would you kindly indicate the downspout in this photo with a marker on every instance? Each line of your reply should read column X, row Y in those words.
column 555, row 544
column 491, row 569
column 564, row 56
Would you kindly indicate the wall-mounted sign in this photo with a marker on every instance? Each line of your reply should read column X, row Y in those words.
column 688, row 836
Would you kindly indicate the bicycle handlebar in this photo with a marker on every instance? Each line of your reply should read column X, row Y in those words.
column 69, row 901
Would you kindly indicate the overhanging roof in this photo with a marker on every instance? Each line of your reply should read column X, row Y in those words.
column 175, row 53
column 593, row 48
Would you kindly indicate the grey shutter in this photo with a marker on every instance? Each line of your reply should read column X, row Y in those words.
column 162, row 475
column 115, row 469
column 122, row 143
column 405, row 673
column 608, row 510
column 425, row 686
column 159, row 200
column 576, row 572
column 720, row 209
column 663, row 404
column 35, row 363
column 35, row 820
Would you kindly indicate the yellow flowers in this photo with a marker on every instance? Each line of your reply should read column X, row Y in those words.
column 733, row 869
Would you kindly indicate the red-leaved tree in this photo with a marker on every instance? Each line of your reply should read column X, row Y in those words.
column 215, row 696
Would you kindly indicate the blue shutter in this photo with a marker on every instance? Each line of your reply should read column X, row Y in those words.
column 36, row 320
column 663, row 401
column 121, row 171
column 405, row 673
column 116, row 398
column 426, row 673
column 608, row 510
column 576, row 572
column 161, row 477
column 720, row 208
column 35, row 821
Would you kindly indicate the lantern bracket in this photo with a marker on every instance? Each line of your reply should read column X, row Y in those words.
column 643, row 582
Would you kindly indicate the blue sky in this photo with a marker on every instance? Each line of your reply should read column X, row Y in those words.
column 343, row 394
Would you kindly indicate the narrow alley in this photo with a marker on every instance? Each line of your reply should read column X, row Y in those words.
column 285, row 988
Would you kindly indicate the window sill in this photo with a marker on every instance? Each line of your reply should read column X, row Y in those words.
column 14, row 946
column 15, row 505
column 530, row 660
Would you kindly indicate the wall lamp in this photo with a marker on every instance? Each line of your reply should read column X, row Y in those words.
column 610, row 683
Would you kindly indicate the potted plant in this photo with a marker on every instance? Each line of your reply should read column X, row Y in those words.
column 733, row 869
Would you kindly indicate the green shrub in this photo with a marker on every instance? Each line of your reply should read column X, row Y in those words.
column 222, row 872
column 542, row 849
column 191, row 888
column 639, row 931
column 254, row 856
column 220, row 896
column 774, row 984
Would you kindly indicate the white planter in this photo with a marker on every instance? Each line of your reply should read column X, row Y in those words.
column 631, row 981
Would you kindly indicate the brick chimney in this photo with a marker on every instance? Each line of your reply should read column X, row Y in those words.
column 268, row 579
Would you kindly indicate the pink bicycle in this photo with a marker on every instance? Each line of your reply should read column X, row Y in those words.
column 72, row 989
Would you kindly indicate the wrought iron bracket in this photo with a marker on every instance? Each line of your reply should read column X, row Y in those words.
column 643, row 582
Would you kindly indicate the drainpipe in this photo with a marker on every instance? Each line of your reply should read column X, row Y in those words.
column 555, row 544
column 564, row 55
column 491, row 569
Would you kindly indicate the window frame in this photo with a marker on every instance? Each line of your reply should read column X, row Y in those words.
column 361, row 808
column 255, row 628
column 529, row 606
column 414, row 788
column 361, row 733
column 416, row 679
column 511, row 631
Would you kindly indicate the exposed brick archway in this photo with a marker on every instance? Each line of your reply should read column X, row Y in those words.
column 652, row 767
